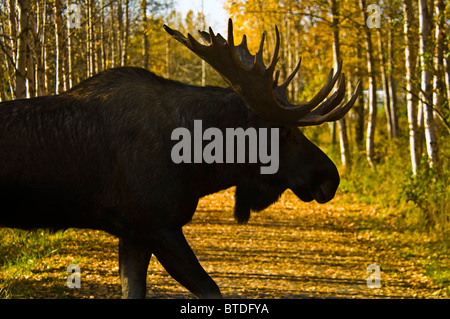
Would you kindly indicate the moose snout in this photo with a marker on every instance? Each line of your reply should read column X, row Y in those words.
column 321, row 189
column 326, row 191
column 321, row 186
column 325, row 185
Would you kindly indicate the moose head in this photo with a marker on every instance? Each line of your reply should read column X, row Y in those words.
column 304, row 168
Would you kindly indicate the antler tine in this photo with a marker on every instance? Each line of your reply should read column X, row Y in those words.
column 338, row 113
column 247, row 59
column 291, row 76
column 275, row 82
column 335, row 114
column 302, row 110
column 207, row 37
column 334, row 100
column 240, row 54
column 194, row 44
column 275, row 57
column 230, row 36
column 259, row 62
column 328, row 86
column 177, row 35
column 213, row 36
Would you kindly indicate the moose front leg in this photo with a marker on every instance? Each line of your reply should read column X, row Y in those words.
column 133, row 264
column 174, row 253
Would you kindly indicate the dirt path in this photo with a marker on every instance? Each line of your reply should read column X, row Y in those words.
column 290, row 250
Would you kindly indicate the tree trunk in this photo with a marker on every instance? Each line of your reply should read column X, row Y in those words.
column 41, row 70
column 20, row 90
column 447, row 62
column 69, row 52
column 144, row 33
column 90, row 38
column 410, row 99
column 371, row 121
column 13, row 29
column 343, row 139
column 120, row 39
column 296, row 82
column 390, row 79
column 438, row 82
column 203, row 26
column 124, row 35
column 113, row 43
column 447, row 70
column 32, row 49
column 58, row 48
column 102, row 37
column 384, row 80
column 426, row 85
column 31, row 54
column 359, row 107
column 10, row 60
column 2, row 86
column 168, row 74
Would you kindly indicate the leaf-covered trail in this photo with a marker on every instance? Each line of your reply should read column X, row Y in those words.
column 290, row 250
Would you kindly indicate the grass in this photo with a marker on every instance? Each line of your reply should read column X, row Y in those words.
column 440, row 274
column 21, row 251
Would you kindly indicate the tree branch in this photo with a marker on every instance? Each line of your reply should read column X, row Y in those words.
column 430, row 104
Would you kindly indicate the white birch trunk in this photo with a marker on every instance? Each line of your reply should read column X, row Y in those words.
column 426, row 84
column 410, row 100
column 371, row 121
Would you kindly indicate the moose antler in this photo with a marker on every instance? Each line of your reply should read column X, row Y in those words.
column 248, row 76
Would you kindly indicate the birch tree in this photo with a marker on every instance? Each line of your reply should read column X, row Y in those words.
column 58, row 47
column 384, row 82
column 426, row 84
column 42, row 76
column 410, row 98
column 343, row 139
column 12, row 56
column 90, row 38
column 371, row 121
column 144, row 33
column 447, row 63
column 390, row 75
column 69, row 51
column 22, row 43
column 124, row 34
column 438, row 80
column 103, row 57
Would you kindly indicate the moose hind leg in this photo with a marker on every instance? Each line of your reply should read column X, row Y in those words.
column 174, row 253
column 133, row 265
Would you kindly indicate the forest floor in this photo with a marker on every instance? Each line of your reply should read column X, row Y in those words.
column 290, row 250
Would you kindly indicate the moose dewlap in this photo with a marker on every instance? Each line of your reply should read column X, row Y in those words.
column 235, row 139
